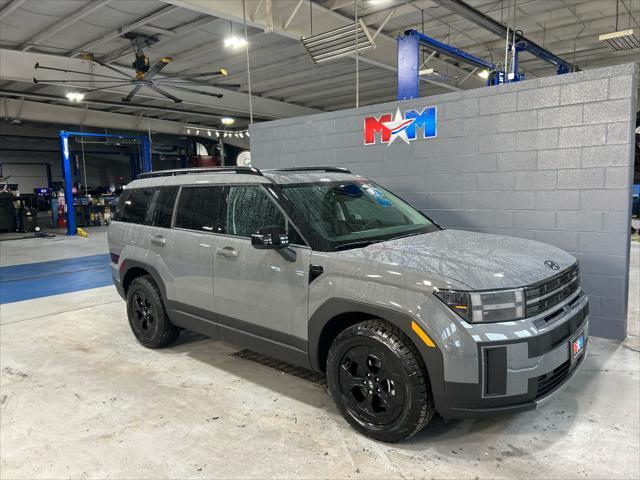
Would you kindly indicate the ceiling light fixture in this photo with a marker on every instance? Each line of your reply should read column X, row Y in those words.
column 197, row 132
column 188, row 131
column 209, row 132
column 227, row 120
column 483, row 74
column 75, row 96
column 235, row 42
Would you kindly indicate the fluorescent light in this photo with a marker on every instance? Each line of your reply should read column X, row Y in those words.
column 209, row 132
column 227, row 120
column 483, row 74
column 217, row 134
column 425, row 71
column 188, row 131
column 197, row 132
column 234, row 41
column 75, row 96
column 241, row 135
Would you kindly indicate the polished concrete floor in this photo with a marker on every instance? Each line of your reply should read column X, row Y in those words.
column 79, row 398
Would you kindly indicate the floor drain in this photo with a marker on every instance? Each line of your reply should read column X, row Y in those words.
column 284, row 367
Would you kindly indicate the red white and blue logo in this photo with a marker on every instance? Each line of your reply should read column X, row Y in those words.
column 404, row 127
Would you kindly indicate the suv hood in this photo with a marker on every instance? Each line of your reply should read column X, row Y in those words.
column 480, row 261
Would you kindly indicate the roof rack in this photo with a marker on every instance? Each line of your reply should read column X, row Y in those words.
column 187, row 171
column 312, row 169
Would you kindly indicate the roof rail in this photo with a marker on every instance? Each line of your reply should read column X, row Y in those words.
column 187, row 171
column 313, row 169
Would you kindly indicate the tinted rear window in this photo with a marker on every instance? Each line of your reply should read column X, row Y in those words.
column 133, row 204
column 199, row 208
column 163, row 209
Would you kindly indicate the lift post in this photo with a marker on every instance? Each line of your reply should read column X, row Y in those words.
column 66, row 167
column 409, row 60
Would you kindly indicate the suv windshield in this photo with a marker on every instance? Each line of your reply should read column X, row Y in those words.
column 343, row 215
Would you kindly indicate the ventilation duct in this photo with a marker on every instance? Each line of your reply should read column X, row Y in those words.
column 339, row 42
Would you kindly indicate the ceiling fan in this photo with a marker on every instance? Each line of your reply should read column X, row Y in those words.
column 145, row 76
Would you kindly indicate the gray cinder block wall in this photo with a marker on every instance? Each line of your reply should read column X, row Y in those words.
column 550, row 159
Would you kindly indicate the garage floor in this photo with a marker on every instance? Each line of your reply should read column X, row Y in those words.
column 80, row 398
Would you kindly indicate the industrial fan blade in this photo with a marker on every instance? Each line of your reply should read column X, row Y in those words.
column 56, row 80
column 111, row 67
column 165, row 93
column 160, row 64
column 199, row 92
column 227, row 85
column 107, row 87
column 179, row 76
column 38, row 66
column 132, row 93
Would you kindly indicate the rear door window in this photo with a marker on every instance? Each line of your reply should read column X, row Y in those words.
column 133, row 204
column 199, row 208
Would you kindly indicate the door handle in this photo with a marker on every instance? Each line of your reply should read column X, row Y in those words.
column 158, row 240
column 228, row 252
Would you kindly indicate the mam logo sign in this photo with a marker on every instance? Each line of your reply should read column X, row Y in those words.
column 388, row 128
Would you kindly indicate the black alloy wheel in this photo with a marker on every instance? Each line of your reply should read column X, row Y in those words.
column 147, row 316
column 371, row 384
column 379, row 382
column 143, row 311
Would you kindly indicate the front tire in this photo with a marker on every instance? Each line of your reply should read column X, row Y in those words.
column 379, row 383
column 147, row 317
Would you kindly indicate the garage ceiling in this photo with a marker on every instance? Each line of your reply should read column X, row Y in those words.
column 285, row 82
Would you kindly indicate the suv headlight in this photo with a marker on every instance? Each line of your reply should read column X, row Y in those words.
column 485, row 307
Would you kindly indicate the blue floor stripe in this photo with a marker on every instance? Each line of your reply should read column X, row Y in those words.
column 35, row 280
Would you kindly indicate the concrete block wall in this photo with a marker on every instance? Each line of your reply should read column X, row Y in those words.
column 550, row 159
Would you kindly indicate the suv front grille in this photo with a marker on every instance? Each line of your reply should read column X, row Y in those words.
column 548, row 293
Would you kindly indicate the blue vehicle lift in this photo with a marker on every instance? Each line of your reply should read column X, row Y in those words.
column 66, row 167
column 409, row 60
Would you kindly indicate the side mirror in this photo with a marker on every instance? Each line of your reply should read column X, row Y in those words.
column 270, row 238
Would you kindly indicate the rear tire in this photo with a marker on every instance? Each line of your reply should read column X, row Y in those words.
column 379, row 382
column 147, row 316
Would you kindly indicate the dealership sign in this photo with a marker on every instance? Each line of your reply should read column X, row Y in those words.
column 405, row 127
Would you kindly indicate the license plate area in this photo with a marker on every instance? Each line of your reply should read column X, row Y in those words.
column 576, row 345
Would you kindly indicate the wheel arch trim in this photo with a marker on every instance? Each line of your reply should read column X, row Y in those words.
column 129, row 265
column 336, row 308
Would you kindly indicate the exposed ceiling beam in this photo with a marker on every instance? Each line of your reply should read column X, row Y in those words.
column 176, row 32
column 293, row 14
column 10, row 8
column 89, row 46
column 337, row 4
column 136, row 107
column 67, row 115
column 383, row 56
column 61, row 24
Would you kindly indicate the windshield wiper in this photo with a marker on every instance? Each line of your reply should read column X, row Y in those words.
column 360, row 244
column 406, row 235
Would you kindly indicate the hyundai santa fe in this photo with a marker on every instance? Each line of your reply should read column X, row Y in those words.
column 330, row 271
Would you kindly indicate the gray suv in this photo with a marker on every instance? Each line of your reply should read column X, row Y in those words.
column 330, row 271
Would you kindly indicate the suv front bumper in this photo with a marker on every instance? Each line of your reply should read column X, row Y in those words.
column 519, row 375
